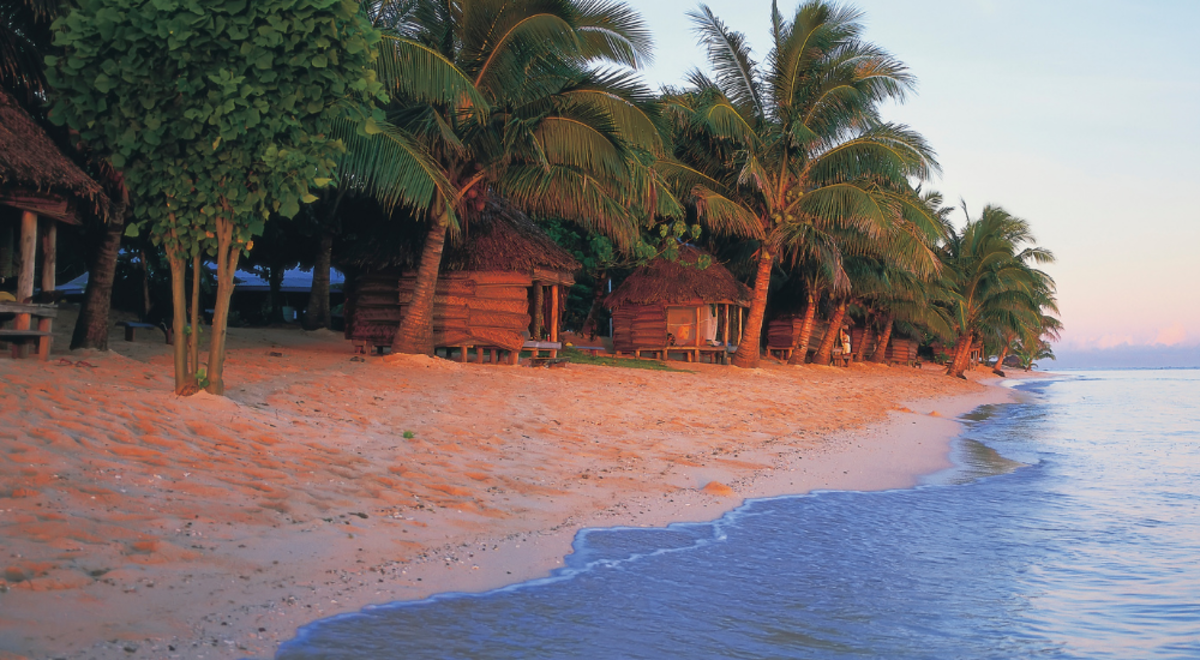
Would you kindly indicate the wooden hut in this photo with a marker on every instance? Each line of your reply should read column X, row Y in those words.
column 39, row 188
column 783, row 331
column 902, row 350
column 500, row 289
column 677, row 307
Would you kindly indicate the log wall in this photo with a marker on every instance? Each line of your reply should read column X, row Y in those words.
column 470, row 308
column 639, row 326
column 902, row 349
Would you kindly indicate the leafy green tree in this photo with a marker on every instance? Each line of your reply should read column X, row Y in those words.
column 220, row 113
column 989, row 264
column 798, row 143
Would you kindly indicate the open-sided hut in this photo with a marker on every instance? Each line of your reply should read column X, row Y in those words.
column 677, row 307
column 39, row 188
column 498, row 288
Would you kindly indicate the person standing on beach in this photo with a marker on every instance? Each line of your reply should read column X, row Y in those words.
column 845, row 337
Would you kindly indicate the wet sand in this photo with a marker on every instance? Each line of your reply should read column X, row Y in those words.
column 134, row 523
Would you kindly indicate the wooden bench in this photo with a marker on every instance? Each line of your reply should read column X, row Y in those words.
column 18, row 337
column 549, row 362
column 538, row 346
column 131, row 328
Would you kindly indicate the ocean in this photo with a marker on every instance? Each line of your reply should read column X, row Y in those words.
column 1069, row 528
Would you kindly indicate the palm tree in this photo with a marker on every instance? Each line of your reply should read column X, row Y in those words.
column 500, row 97
column 994, row 285
column 798, row 143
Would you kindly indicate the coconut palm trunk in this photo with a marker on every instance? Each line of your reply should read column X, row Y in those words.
column 962, row 353
column 861, row 350
column 415, row 334
column 749, row 348
column 825, row 351
column 91, row 328
column 999, row 368
column 800, row 349
column 885, row 338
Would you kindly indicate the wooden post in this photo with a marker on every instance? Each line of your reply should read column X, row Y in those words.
column 7, row 246
column 49, row 263
column 739, row 335
column 538, row 306
column 554, row 312
column 725, row 330
column 27, row 254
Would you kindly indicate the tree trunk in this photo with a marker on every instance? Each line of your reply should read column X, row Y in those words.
column 590, row 323
column 861, row 351
column 184, row 379
column 885, row 338
column 750, row 343
column 415, row 334
column 275, row 294
column 800, row 350
column 317, row 314
column 539, row 304
column 825, row 350
column 193, row 337
column 999, row 368
column 145, row 285
column 227, row 257
column 962, row 353
column 91, row 327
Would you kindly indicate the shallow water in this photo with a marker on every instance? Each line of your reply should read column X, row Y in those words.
column 1070, row 529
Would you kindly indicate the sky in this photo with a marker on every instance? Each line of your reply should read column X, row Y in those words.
column 1081, row 117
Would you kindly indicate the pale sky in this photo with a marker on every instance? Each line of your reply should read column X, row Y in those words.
column 1083, row 117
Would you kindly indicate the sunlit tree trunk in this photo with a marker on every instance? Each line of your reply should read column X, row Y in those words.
column 885, row 338
column 227, row 257
column 800, row 350
column 749, row 346
column 825, row 350
column 415, row 334
column 184, row 379
column 962, row 352
column 193, row 337
column 999, row 368
column 861, row 350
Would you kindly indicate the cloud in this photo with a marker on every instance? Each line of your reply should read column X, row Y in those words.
column 1172, row 335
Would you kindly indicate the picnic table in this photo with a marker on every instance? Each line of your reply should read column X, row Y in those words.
column 23, row 331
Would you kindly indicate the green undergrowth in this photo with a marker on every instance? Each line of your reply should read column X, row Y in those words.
column 582, row 357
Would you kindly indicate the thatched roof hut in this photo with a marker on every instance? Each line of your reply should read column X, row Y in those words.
column 679, row 282
column 500, row 285
column 35, row 176
column 45, row 188
column 501, row 238
column 674, row 306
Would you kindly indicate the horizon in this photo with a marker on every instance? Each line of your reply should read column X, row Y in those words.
column 1032, row 108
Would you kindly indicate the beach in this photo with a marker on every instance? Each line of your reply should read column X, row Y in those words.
column 135, row 523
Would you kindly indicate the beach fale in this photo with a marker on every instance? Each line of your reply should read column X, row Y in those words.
column 500, row 290
column 676, row 307
column 39, row 188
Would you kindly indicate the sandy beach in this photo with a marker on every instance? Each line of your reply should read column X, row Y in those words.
column 135, row 523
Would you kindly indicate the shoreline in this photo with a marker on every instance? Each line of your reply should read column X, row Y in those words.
column 337, row 512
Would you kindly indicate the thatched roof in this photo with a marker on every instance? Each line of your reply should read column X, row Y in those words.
column 34, row 173
column 663, row 281
column 501, row 238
